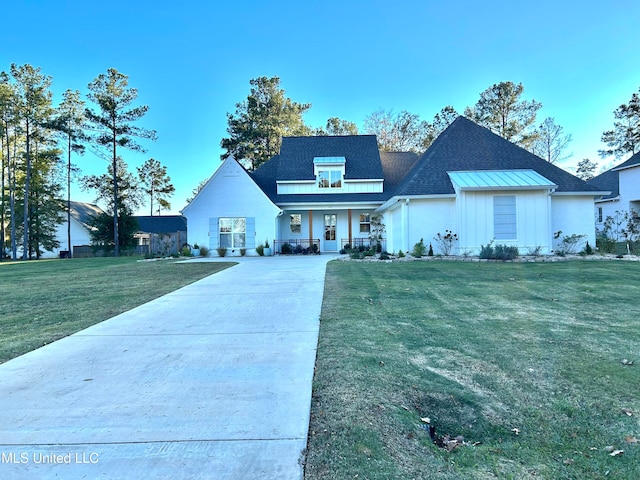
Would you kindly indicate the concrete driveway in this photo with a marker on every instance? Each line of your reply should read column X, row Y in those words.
column 210, row 381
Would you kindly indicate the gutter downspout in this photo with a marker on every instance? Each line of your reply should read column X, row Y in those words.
column 405, row 223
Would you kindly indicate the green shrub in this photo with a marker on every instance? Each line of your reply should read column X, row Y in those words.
column 419, row 249
column 185, row 251
column 605, row 245
column 499, row 252
column 487, row 252
column 384, row 256
column 204, row 251
column 222, row 251
column 260, row 250
column 430, row 253
column 286, row 248
column 587, row 249
column 401, row 254
column 243, row 252
column 356, row 254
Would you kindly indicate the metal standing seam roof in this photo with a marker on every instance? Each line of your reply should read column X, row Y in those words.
column 502, row 179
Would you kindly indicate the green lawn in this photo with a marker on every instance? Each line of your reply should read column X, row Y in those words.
column 524, row 360
column 42, row 301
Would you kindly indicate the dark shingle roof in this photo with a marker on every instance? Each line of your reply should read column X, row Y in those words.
column 360, row 151
column 266, row 175
column 162, row 223
column 607, row 181
column 632, row 162
column 395, row 166
column 464, row 146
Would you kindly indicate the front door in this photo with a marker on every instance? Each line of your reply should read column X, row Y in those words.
column 330, row 242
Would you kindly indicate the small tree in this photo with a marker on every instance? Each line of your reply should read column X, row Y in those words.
column 586, row 169
column 377, row 231
column 156, row 183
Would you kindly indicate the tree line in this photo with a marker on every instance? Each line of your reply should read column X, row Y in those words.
column 258, row 124
column 35, row 172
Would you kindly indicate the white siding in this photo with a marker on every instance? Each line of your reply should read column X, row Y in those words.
column 374, row 186
column 629, row 179
column 476, row 220
column 573, row 215
column 79, row 236
column 230, row 193
column 425, row 218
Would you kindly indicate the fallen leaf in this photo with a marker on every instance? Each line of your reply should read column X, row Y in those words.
column 630, row 439
column 516, row 431
column 609, row 448
column 426, row 419
column 569, row 461
column 405, row 408
column 616, row 453
column 628, row 411
column 627, row 362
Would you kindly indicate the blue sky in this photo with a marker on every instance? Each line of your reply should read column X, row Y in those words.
column 192, row 61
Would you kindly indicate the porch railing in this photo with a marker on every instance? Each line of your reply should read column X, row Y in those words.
column 297, row 246
column 364, row 243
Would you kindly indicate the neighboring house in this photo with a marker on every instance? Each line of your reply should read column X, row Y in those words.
column 623, row 181
column 81, row 215
column 325, row 191
column 161, row 234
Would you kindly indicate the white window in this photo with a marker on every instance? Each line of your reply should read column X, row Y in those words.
column 365, row 223
column 504, row 217
column 329, row 179
column 295, row 223
column 233, row 232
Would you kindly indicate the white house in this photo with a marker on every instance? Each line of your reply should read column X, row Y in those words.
column 81, row 214
column 321, row 193
column 623, row 182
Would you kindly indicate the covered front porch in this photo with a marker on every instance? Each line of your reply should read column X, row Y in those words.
column 323, row 228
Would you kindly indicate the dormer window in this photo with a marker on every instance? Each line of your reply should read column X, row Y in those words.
column 329, row 172
column 329, row 179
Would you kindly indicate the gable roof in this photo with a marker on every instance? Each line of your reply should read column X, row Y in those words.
column 634, row 161
column 610, row 180
column 83, row 212
column 161, row 223
column 466, row 146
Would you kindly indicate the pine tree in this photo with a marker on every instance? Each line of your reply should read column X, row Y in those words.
column 114, row 125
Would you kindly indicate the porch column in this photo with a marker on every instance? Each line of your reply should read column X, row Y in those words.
column 349, row 222
column 310, row 227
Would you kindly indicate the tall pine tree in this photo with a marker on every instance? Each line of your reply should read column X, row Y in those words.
column 114, row 127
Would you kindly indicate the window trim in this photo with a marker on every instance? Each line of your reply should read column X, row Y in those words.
column 233, row 231
column 365, row 223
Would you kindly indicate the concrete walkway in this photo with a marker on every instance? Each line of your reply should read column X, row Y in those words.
column 210, row 381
